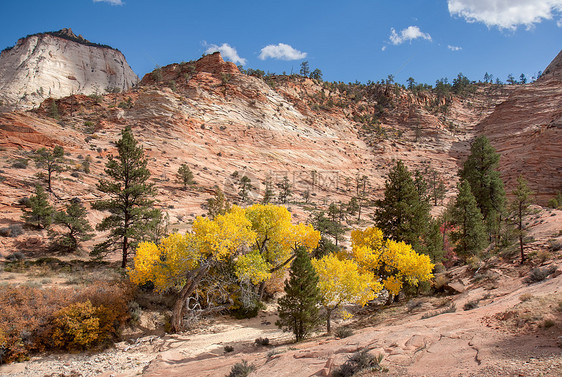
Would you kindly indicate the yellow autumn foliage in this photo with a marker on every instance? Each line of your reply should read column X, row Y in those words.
column 77, row 326
column 276, row 236
column 222, row 236
column 394, row 263
column 251, row 267
column 341, row 282
column 168, row 263
column 235, row 237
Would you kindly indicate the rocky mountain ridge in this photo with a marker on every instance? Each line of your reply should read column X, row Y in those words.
column 225, row 124
column 58, row 64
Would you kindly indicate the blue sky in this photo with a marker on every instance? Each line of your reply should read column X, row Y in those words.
column 348, row 40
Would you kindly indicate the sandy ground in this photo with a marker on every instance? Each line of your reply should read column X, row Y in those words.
column 505, row 335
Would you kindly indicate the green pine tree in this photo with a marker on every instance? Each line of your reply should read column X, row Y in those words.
column 434, row 241
column 73, row 218
column 402, row 214
column 41, row 212
column 466, row 218
column 353, row 206
column 328, row 225
column 268, row 193
column 51, row 160
column 361, row 193
column 422, row 186
column 335, row 215
column 184, row 175
column 285, row 191
column 218, row 204
column 299, row 308
column 53, row 110
column 245, row 186
column 481, row 171
column 519, row 209
column 435, row 185
column 132, row 215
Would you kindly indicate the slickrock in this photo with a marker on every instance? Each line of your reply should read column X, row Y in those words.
column 56, row 65
column 526, row 130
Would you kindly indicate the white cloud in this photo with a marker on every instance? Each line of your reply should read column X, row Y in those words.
column 281, row 51
column 408, row 34
column 454, row 48
column 227, row 52
column 112, row 2
column 505, row 14
column 383, row 48
column 559, row 23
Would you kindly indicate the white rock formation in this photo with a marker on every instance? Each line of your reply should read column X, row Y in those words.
column 57, row 65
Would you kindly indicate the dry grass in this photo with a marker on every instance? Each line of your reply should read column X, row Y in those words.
column 533, row 313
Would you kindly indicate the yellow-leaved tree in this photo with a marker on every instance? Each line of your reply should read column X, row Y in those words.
column 255, row 241
column 181, row 261
column 394, row 263
column 277, row 238
column 342, row 282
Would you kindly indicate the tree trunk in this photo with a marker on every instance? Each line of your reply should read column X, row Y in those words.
column 186, row 291
column 521, row 233
column 390, row 299
column 261, row 291
column 125, row 246
column 49, row 173
column 177, row 311
column 328, row 321
column 125, row 238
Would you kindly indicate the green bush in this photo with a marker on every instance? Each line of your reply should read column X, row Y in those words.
column 262, row 341
column 343, row 332
column 556, row 202
column 20, row 163
column 539, row 274
column 242, row 369
column 473, row 304
column 15, row 256
column 359, row 362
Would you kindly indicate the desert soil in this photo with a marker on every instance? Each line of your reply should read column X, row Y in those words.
column 515, row 330
column 478, row 342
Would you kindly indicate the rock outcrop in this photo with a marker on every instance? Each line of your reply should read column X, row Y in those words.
column 526, row 129
column 225, row 124
column 58, row 64
column 554, row 69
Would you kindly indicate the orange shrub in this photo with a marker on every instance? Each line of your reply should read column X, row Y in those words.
column 34, row 319
column 24, row 313
column 112, row 303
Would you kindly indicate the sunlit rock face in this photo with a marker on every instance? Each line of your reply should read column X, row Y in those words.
column 59, row 64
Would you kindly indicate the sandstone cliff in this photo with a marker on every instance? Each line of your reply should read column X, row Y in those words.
column 554, row 69
column 56, row 65
column 321, row 135
column 526, row 129
column 220, row 121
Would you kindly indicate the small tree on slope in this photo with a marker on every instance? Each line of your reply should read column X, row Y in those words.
column 481, row 171
column 73, row 218
column 41, row 213
column 469, row 231
column 520, row 208
column 132, row 214
column 298, row 309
